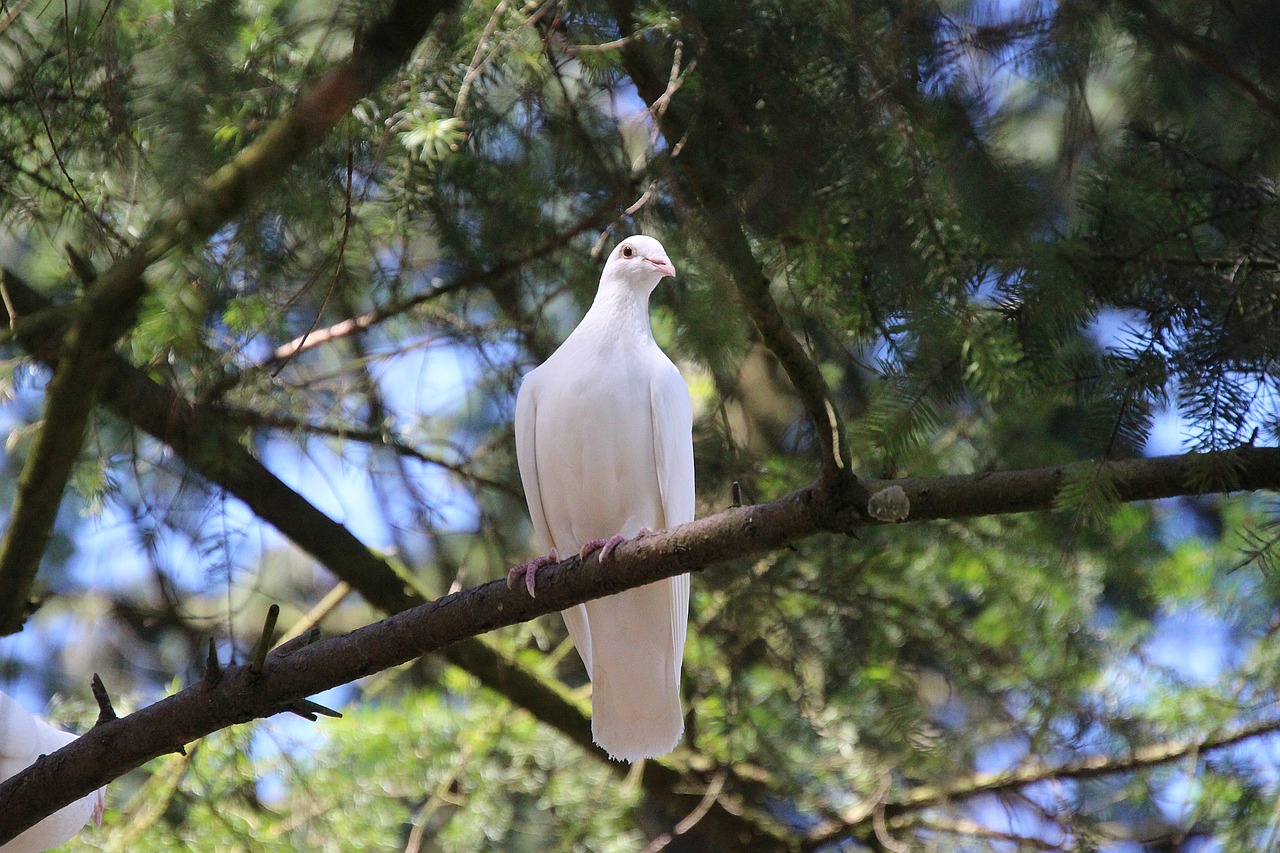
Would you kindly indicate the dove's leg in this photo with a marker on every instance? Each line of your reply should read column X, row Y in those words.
column 529, row 570
column 606, row 546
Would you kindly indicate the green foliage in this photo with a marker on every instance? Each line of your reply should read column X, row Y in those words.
column 457, row 772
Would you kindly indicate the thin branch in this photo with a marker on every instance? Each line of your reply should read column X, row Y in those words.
column 927, row 796
column 1208, row 53
column 691, row 819
column 212, row 668
column 480, row 276
column 265, row 640
column 48, row 185
column 971, row 828
column 12, row 14
column 337, row 264
column 722, row 229
column 370, row 436
column 290, row 644
column 479, row 60
column 106, row 712
column 310, row 622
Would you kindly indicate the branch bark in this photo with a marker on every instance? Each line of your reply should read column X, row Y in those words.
column 115, row 747
column 110, row 304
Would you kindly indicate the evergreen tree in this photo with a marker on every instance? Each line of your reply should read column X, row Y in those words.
column 953, row 276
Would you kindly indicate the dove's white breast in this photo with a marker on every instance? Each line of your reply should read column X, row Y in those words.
column 594, row 439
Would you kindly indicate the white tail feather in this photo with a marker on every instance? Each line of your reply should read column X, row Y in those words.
column 635, row 683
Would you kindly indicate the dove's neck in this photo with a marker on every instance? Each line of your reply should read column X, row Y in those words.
column 620, row 311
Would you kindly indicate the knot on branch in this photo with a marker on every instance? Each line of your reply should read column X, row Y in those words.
column 889, row 504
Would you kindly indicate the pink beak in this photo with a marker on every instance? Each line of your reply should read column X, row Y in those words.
column 664, row 265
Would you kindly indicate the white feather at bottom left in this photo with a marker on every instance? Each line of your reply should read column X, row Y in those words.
column 25, row 737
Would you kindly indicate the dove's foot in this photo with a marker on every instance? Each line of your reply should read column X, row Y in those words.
column 529, row 570
column 606, row 546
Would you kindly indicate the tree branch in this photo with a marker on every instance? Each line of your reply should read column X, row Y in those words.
column 110, row 304
column 1208, row 52
column 113, row 748
column 478, row 275
column 209, row 444
column 927, row 796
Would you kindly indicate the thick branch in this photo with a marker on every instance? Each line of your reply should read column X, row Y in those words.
column 114, row 748
column 110, row 304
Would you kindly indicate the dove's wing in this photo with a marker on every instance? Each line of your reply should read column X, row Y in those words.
column 638, row 636
column 575, row 618
column 672, row 415
column 18, row 735
column 526, row 458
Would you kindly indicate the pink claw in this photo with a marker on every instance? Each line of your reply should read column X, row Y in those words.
column 606, row 546
column 529, row 570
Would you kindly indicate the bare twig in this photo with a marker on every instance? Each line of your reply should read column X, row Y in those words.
column 299, row 641
column 106, row 713
column 473, row 278
column 12, row 14
column 690, row 820
column 212, row 669
column 483, row 55
column 372, row 437
column 264, row 640
column 478, row 60
column 309, row 710
column 337, row 265
column 675, row 79
column 310, row 622
column 967, row 827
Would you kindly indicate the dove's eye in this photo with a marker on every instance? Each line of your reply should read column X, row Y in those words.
column 628, row 252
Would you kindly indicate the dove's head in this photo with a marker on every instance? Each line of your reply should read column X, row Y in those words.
column 640, row 262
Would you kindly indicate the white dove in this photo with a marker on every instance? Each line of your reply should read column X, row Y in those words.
column 23, row 739
column 604, row 439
